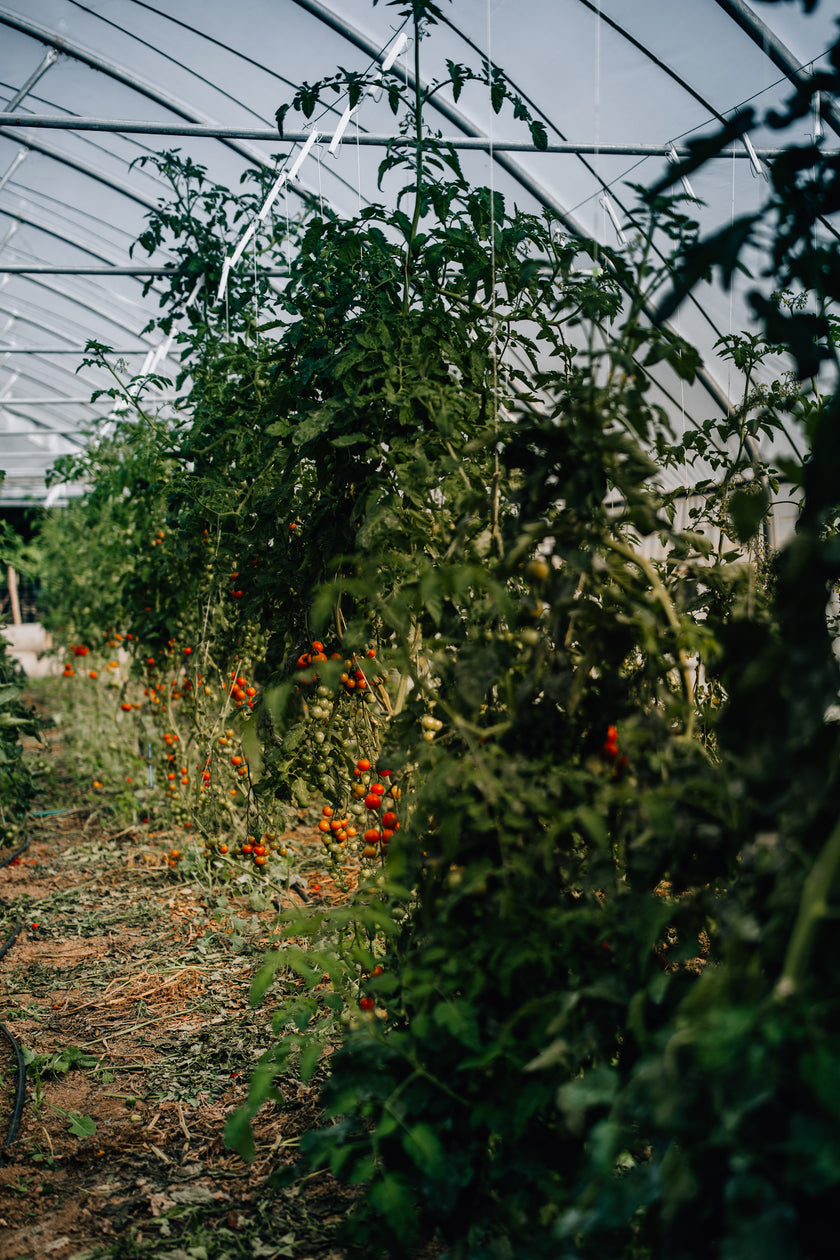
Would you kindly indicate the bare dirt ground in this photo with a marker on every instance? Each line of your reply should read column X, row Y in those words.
column 127, row 989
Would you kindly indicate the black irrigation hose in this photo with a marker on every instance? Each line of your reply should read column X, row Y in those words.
column 20, row 1093
column 51, row 813
column 20, row 1097
column 11, row 939
column 10, row 857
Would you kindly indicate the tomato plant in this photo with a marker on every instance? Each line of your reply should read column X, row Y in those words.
column 408, row 544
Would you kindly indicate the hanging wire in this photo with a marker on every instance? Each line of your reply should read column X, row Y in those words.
column 286, row 181
column 682, row 409
column 358, row 171
column 731, row 285
column 493, row 314
column 494, row 350
column 597, row 121
column 256, row 297
column 288, row 231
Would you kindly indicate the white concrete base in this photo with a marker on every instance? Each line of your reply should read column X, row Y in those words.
column 31, row 646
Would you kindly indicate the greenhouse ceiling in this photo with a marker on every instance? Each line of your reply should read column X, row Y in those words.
column 620, row 85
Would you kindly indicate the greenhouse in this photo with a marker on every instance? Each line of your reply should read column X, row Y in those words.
column 419, row 504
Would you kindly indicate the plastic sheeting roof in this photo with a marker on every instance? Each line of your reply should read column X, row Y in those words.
column 617, row 82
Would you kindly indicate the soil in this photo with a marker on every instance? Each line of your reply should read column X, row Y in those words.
column 127, row 989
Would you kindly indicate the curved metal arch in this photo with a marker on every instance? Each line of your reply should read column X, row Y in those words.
column 781, row 56
column 513, row 168
column 21, row 373
column 76, row 164
column 86, row 139
column 71, row 296
column 21, row 217
column 196, row 32
column 345, row 183
column 41, row 428
column 133, row 81
column 54, row 330
column 124, row 30
column 62, row 211
column 38, row 381
column 589, row 166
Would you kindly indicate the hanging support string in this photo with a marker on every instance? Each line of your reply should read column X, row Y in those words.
column 350, row 111
column 285, row 176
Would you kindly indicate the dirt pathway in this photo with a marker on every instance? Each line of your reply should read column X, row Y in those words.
column 128, row 990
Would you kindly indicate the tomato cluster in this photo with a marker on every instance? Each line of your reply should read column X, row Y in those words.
column 335, row 831
column 376, row 794
column 242, row 692
column 610, row 751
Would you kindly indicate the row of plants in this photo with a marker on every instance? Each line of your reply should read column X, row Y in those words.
column 578, row 998
column 17, row 718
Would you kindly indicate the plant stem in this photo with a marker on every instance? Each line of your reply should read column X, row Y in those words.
column 813, row 906
column 670, row 611
column 418, row 173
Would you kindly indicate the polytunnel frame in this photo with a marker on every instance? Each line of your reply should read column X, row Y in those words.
column 56, row 45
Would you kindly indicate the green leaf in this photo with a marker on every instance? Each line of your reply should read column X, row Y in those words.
column 309, row 1059
column 239, row 1136
column 423, row 1148
column 264, row 978
column 252, row 747
column 747, row 509
column 539, row 135
column 497, row 94
column 596, row 1088
column 458, row 1018
column 350, row 439
column 81, row 1126
column 301, row 794
column 392, row 1198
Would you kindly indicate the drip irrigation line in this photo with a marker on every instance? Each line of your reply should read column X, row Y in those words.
column 20, row 1096
column 11, row 938
column 10, row 857
column 20, row 1088
column 51, row 813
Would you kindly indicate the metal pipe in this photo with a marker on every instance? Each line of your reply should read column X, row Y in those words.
column 51, row 56
column 47, row 269
column 369, row 138
column 67, row 350
column 19, row 157
column 82, row 400
column 28, row 433
column 781, row 56
column 69, row 48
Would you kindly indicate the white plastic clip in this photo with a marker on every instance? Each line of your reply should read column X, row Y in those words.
column 304, row 153
column 243, row 241
column 343, row 124
column 674, row 157
column 394, row 52
column 196, row 289
column 224, row 279
column 758, row 169
column 818, row 127
column 610, row 209
column 273, row 195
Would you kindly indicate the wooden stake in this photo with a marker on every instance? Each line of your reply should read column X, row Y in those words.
column 13, row 596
